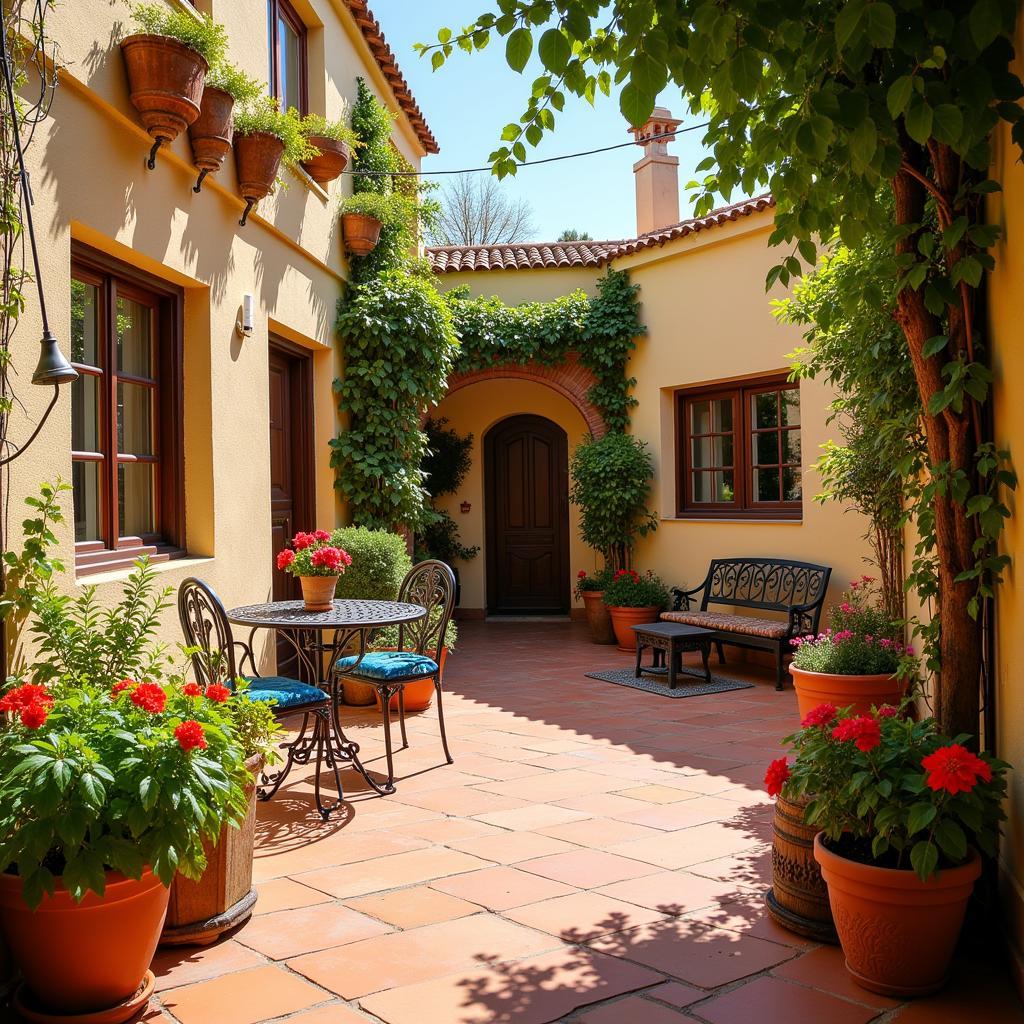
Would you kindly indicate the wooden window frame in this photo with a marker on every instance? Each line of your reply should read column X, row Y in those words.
column 282, row 10
column 113, row 278
column 743, row 506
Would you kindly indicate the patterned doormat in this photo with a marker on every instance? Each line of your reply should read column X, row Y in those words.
column 689, row 682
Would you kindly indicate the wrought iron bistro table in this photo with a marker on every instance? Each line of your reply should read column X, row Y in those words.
column 319, row 639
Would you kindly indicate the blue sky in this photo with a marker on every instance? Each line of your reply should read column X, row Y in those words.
column 471, row 98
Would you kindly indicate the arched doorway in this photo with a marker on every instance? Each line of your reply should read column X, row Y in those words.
column 526, row 479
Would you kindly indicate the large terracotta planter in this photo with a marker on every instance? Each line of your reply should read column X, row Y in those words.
column 210, row 133
column 318, row 592
column 200, row 911
column 257, row 161
column 88, row 957
column 360, row 232
column 798, row 898
column 165, row 81
column 333, row 159
column 623, row 621
column 863, row 692
column 598, row 618
column 898, row 933
column 419, row 695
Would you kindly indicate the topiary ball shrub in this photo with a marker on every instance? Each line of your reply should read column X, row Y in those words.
column 380, row 561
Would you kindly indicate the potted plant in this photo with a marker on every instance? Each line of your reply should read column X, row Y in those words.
column 633, row 600
column 590, row 589
column 903, row 812
column 167, row 65
column 859, row 662
column 333, row 141
column 364, row 214
column 318, row 564
column 223, row 897
column 420, row 693
column 210, row 134
column 112, row 777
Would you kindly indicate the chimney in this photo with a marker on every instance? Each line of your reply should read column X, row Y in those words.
column 657, row 173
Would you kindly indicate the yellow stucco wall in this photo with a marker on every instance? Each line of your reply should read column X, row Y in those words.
column 91, row 186
column 517, row 286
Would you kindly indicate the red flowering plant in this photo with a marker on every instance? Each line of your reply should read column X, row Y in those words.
column 630, row 589
column 892, row 792
column 591, row 581
column 312, row 554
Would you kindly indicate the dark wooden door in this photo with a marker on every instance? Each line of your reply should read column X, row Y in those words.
column 526, row 465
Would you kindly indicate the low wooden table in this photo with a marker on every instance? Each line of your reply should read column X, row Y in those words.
column 668, row 642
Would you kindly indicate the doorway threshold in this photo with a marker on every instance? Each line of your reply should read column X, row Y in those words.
column 527, row 618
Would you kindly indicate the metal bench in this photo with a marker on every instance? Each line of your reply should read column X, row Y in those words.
column 795, row 589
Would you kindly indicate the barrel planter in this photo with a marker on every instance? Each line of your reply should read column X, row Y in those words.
column 863, row 692
column 598, row 618
column 210, row 133
column 165, row 83
column 360, row 232
column 798, row 898
column 333, row 159
column 623, row 621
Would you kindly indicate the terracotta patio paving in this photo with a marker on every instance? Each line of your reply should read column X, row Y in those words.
column 595, row 854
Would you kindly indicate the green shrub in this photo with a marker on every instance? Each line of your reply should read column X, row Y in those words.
column 202, row 34
column 449, row 457
column 391, row 210
column 387, row 638
column 262, row 115
column 379, row 563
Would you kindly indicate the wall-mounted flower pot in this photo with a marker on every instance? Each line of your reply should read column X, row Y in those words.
column 210, row 133
column 623, row 621
column 257, row 161
column 333, row 159
column 598, row 618
column 360, row 232
column 165, row 80
column 863, row 692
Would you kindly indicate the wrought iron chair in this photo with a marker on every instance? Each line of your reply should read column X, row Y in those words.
column 218, row 658
column 430, row 584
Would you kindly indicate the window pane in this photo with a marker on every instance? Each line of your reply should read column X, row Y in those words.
column 290, row 43
column 764, row 409
column 766, row 449
column 766, row 485
column 270, row 46
column 134, row 419
column 711, row 451
column 135, row 499
column 712, row 486
column 791, row 446
column 711, row 416
column 85, row 306
column 792, row 487
column 791, row 407
column 134, row 338
column 85, row 414
column 85, row 486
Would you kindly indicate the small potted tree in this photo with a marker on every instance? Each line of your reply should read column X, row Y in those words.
column 364, row 214
column 333, row 142
column 167, row 64
column 590, row 590
column 633, row 600
column 211, row 132
column 318, row 564
column 903, row 812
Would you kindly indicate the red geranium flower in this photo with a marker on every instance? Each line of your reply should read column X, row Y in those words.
column 190, row 735
column 285, row 558
column 301, row 541
column 328, row 558
column 217, row 693
column 821, row 715
column 122, row 685
column 863, row 731
column 887, row 711
column 776, row 776
column 321, row 535
column 192, row 690
column 150, row 697
column 955, row 769
column 25, row 696
column 34, row 716
column 582, row 574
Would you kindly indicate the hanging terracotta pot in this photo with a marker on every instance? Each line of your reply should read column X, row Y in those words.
column 165, row 80
column 210, row 133
column 200, row 911
column 333, row 159
column 623, row 620
column 83, row 958
column 257, row 161
column 863, row 692
column 598, row 618
column 318, row 592
column 898, row 933
column 361, row 232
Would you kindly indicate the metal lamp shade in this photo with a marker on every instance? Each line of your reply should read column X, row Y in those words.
column 52, row 367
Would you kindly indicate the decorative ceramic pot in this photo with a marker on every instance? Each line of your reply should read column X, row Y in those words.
column 200, row 911
column 898, row 933
column 814, row 688
column 82, row 958
column 419, row 694
column 318, row 592
column 623, row 620
column 257, row 161
column 360, row 232
column 357, row 694
column 210, row 133
column 165, row 81
column 798, row 898
column 598, row 619
column 333, row 159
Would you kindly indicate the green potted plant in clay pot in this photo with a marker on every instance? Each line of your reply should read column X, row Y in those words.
column 590, row 590
column 903, row 812
column 333, row 142
column 167, row 63
column 859, row 662
column 419, row 694
column 223, row 897
column 364, row 214
column 318, row 564
column 633, row 599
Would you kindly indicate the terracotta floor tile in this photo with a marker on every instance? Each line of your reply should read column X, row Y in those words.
column 978, row 991
column 825, row 968
column 443, row 830
column 406, row 958
column 582, row 916
column 676, row 994
column 654, row 794
column 693, row 810
column 587, row 869
column 771, row 1001
column 502, row 887
column 493, row 768
column 689, row 845
column 531, row 991
column 751, row 868
column 557, row 785
column 247, row 997
column 339, row 848
column 672, row 892
column 284, row 894
column 635, row 1010
column 534, row 817
column 391, row 872
column 289, row 933
column 606, row 805
column 186, row 965
column 466, row 802
column 413, row 907
column 335, row 1013
column 510, row 847
column 743, row 911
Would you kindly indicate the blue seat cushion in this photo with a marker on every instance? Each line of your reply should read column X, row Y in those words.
column 387, row 666
column 288, row 693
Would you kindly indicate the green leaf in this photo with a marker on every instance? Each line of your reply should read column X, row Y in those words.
column 949, row 123
column 746, row 68
column 925, row 859
column 880, row 23
column 636, row 104
column 985, row 22
column 934, row 345
column 518, row 49
column 848, row 23
column 919, row 121
column 951, row 839
column 554, row 50
column 921, row 816
column 899, row 95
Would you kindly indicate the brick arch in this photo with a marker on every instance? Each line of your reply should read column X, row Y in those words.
column 571, row 379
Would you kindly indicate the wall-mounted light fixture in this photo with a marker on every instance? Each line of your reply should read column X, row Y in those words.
column 244, row 325
column 465, row 508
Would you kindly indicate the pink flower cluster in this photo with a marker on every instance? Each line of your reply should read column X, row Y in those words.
column 896, row 648
column 864, row 581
